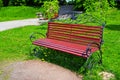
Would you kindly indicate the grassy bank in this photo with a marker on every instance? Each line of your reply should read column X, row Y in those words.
column 17, row 12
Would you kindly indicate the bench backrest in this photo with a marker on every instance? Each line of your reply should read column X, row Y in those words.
column 74, row 33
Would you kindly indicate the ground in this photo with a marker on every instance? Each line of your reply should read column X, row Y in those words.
column 37, row 70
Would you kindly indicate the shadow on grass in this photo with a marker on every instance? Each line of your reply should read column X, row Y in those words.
column 113, row 27
column 66, row 60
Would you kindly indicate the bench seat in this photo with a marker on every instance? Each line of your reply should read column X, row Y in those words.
column 72, row 48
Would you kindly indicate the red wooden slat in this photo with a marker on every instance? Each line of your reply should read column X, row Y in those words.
column 70, row 36
column 80, row 41
column 75, row 33
column 73, row 40
column 88, row 31
column 74, row 36
column 76, row 30
column 87, row 34
column 78, row 27
column 61, row 49
column 78, row 50
column 72, row 25
column 83, row 42
column 85, row 26
column 59, row 38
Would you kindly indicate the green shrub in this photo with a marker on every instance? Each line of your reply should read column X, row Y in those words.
column 92, row 3
column 50, row 8
column 17, row 2
column 97, row 8
column 27, row 2
column 79, row 4
column 1, row 3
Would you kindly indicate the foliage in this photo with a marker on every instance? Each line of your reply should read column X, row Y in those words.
column 112, row 3
column 98, row 8
column 1, row 3
column 79, row 4
column 17, row 12
column 17, row 2
column 23, row 2
column 50, row 8
column 5, row 2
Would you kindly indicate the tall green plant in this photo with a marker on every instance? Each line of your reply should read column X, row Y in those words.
column 50, row 8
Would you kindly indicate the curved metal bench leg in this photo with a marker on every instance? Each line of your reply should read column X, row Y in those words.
column 100, row 56
column 92, row 60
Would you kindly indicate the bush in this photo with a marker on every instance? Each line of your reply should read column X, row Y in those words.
column 27, row 2
column 22, row 2
column 97, row 8
column 79, row 4
column 85, row 4
column 5, row 2
column 17, row 2
column 50, row 8
column 1, row 3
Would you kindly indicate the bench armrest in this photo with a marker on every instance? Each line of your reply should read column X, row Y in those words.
column 88, row 49
column 36, row 35
column 98, row 45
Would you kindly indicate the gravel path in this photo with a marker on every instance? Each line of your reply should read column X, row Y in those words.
column 37, row 70
column 18, row 23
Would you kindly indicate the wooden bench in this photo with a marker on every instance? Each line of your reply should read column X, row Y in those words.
column 77, row 39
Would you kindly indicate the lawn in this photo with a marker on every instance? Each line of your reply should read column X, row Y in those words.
column 15, row 46
column 18, row 12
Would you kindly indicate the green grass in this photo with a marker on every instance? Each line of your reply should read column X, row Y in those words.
column 18, row 12
column 15, row 45
column 111, row 46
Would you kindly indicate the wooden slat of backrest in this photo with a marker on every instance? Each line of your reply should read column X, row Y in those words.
column 73, row 36
column 87, row 34
column 75, row 33
column 59, row 31
column 83, row 34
